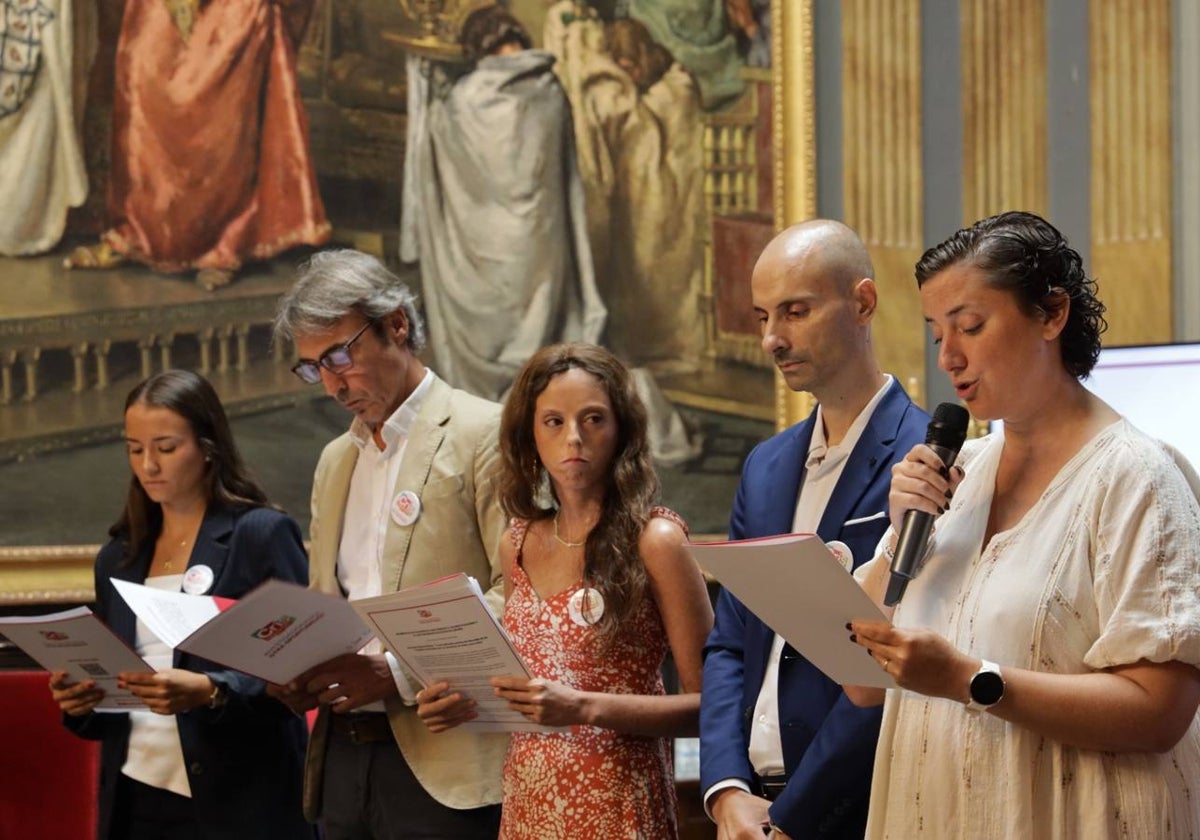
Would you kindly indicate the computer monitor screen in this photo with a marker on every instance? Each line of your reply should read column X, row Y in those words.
column 1157, row 387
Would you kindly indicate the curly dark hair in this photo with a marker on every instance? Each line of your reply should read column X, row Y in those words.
column 487, row 29
column 612, row 563
column 1028, row 257
column 227, row 481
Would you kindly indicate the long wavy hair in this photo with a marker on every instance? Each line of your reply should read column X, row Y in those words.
column 227, row 481
column 612, row 563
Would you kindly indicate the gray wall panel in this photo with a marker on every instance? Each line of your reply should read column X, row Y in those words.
column 942, row 153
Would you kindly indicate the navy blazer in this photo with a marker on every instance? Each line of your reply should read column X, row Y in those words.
column 828, row 743
column 244, row 760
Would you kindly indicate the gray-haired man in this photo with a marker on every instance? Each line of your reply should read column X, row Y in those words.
column 405, row 496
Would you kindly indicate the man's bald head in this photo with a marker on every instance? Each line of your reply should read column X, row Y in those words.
column 814, row 295
column 823, row 246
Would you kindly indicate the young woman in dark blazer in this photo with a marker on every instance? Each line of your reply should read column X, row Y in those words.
column 210, row 756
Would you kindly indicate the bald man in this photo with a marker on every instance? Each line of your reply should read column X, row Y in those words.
column 782, row 749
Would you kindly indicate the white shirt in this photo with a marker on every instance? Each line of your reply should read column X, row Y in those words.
column 155, row 753
column 1100, row 572
column 368, row 512
column 823, row 468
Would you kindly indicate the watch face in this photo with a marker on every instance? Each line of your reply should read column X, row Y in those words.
column 987, row 687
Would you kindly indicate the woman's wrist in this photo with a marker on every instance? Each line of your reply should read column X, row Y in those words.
column 958, row 678
column 216, row 695
column 587, row 707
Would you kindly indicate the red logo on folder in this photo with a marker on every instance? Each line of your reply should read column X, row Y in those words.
column 54, row 635
column 424, row 613
column 273, row 628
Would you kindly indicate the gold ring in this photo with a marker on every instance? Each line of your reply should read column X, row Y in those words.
column 886, row 663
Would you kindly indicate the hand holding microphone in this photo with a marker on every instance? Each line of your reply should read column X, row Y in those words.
column 945, row 435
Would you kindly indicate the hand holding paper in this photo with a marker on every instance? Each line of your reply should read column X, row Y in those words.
column 795, row 585
column 74, row 698
column 349, row 681
column 440, row 708
column 77, row 645
column 542, row 701
column 169, row 691
column 443, row 632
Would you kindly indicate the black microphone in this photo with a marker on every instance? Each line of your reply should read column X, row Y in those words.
column 945, row 435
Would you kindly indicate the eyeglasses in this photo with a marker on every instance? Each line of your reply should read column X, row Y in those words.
column 335, row 360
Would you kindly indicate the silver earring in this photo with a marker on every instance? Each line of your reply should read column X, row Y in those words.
column 543, row 493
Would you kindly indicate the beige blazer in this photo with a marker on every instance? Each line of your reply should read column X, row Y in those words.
column 450, row 463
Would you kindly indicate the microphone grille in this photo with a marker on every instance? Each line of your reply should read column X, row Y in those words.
column 949, row 426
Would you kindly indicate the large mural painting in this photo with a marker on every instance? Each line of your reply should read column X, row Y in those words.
column 559, row 170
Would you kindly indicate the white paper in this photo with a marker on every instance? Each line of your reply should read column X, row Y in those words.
column 77, row 642
column 798, row 588
column 444, row 631
column 171, row 616
column 279, row 631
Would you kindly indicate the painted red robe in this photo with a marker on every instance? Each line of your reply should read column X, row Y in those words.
column 210, row 163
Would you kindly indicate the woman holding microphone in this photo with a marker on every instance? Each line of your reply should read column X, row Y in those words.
column 1047, row 652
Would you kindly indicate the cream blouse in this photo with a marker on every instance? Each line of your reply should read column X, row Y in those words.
column 1103, row 570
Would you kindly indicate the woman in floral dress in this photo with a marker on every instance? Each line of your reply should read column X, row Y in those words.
column 599, row 585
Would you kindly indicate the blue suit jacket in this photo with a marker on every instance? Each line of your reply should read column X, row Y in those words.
column 244, row 761
column 828, row 743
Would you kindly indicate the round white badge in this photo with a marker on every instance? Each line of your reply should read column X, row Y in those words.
column 585, row 606
column 406, row 507
column 843, row 554
column 197, row 580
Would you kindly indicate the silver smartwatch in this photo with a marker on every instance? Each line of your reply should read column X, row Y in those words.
column 986, row 688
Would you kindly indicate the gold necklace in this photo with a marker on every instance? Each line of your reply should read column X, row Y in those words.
column 167, row 563
column 567, row 543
